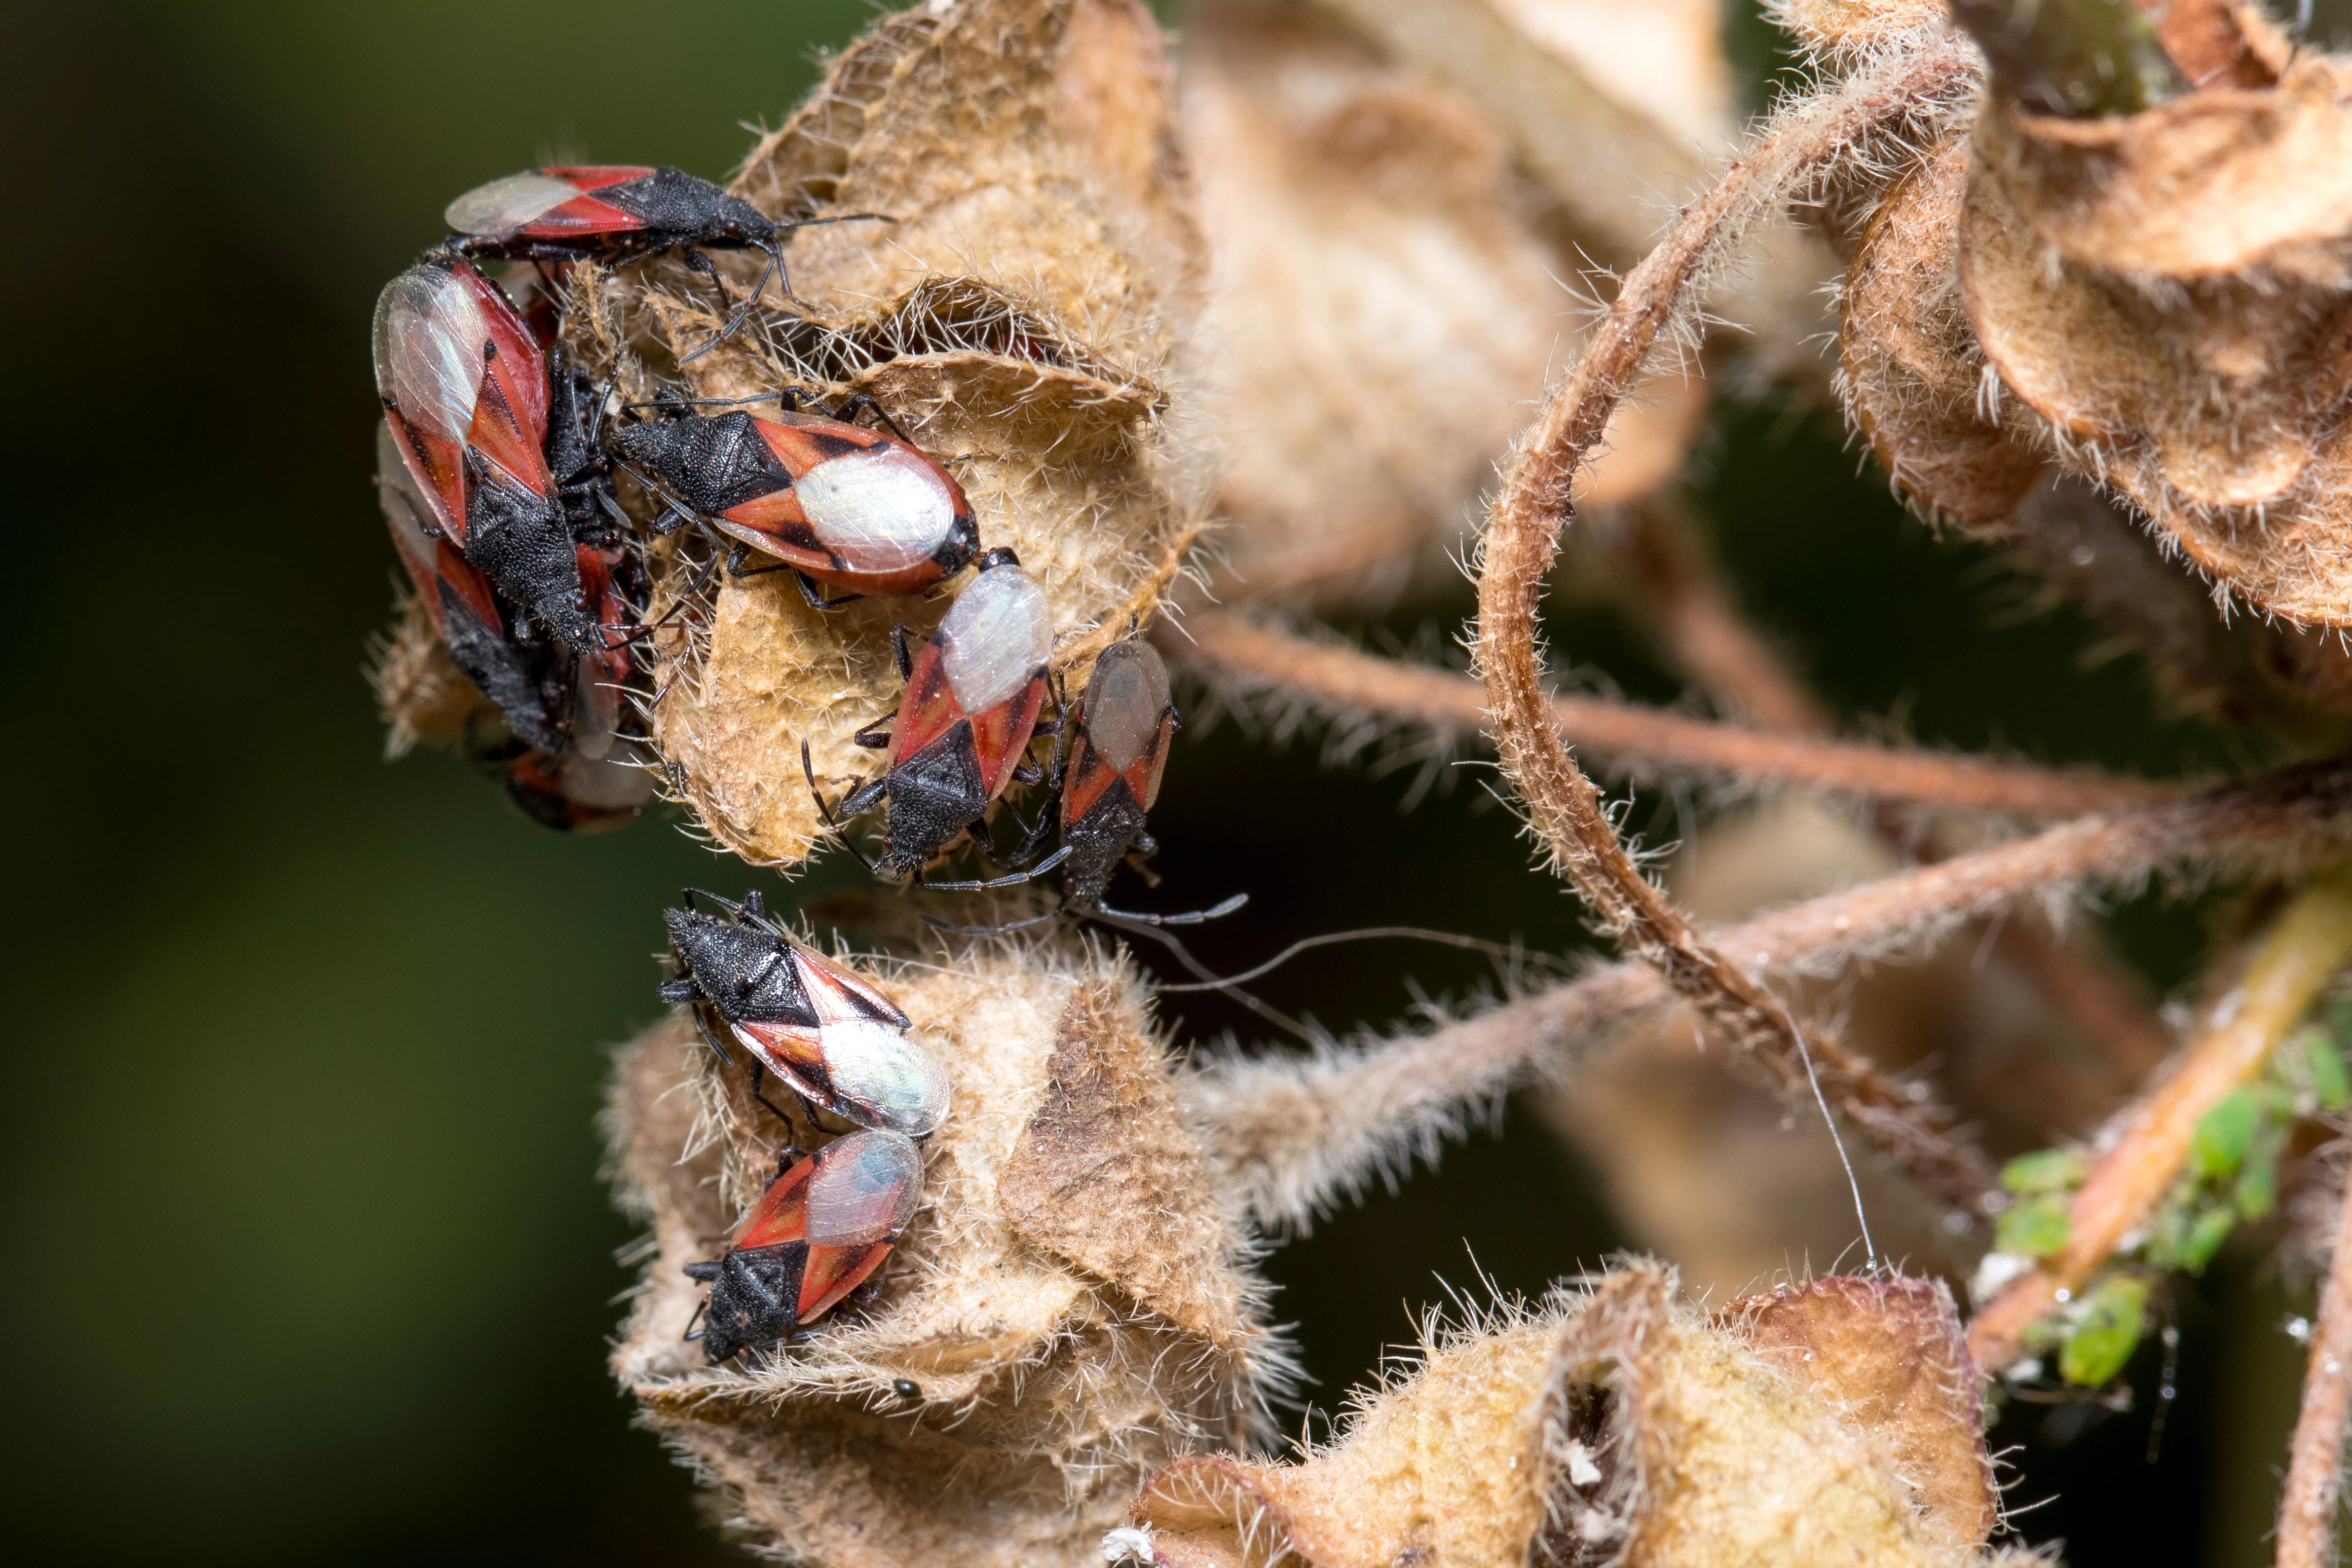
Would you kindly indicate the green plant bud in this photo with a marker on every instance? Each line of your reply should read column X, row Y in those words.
column 2035, row 1228
column 2043, row 1171
column 2257, row 1189
column 2223, row 1135
column 2325, row 1062
column 2105, row 1335
column 2206, row 1234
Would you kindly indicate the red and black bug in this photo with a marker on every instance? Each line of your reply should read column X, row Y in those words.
column 972, row 704
column 598, row 777
column 837, row 504
column 578, row 213
column 1118, row 734
column 464, row 609
column 836, row 1041
column 819, row 1232
column 465, row 396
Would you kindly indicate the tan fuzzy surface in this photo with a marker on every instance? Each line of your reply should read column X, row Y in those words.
column 1043, row 1391
column 1387, row 297
column 1911, row 371
column 1610, row 1427
column 2214, row 405
column 2211, row 182
column 1849, row 28
column 1890, row 1354
column 1108, row 1175
column 1026, row 316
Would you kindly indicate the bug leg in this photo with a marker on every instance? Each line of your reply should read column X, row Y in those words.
column 898, row 651
column 993, row 883
column 1191, row 918
column 866, row 734
column 758, row 1074
column 854, row 805
column 863, row 403
column 809, row 592
column 711, row 1038
column 692, row 1332
column 1054, row 913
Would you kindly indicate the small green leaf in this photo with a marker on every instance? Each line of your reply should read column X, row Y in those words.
column 2043, row 1171
column 2205, row 1237
column 2223, row 1135
column 2257, row 1192
column 2034, row 1228
column 2329, row 1084
column 2107, row 1333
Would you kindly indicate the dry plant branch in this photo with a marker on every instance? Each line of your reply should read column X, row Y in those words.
column 1636, row 741
column 2314, row 1474
column 1522, row 541
column 2305, row 947
column 1696, row 617
column 1294, row 1135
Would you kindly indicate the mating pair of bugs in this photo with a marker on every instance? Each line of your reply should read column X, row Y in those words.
column 496, row 478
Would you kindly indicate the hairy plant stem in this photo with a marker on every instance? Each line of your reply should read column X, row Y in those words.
column 2315, row 1472
column 1641, row 741
column 1694, row 615
column 2305, row 945
column 1521, row 542
column 1294, row 1134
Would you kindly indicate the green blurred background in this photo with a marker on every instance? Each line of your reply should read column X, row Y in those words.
column 313, row 1262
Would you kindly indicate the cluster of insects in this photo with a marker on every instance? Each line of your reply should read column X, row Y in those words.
column 496, row 468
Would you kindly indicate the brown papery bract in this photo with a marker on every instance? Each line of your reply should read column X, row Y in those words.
column 1387, row 292
column 1024, row 313
column 1836, row 1424
column 2171, row 293
column 1073, row 1306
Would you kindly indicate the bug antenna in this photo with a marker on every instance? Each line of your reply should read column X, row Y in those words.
column 1367, row 933
column 1054, row 913
column 1184, row 957
column 993, row 883
column 808, row 772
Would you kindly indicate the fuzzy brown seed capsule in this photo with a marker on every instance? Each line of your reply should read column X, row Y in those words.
column 1615, row 1427
column 1071, row 1307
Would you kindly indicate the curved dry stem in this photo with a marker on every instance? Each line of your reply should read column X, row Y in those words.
column 1522, row 540
column 1293, row 1133
column 2305, row 945
column 1633, row 741
column 2314, row 1472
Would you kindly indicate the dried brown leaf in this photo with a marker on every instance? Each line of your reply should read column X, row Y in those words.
column 2211, row 182
column 1912, row 373
column 1108, row 1175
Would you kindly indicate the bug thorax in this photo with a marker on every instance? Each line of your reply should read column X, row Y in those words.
column 742, row 971
column 711, row 463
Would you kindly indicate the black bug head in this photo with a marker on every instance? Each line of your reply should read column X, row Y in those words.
column 749, row 1296
column 736, row 218
column 1000, row 556
column 962, row 542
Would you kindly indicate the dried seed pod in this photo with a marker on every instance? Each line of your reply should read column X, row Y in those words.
column 1071, row 1308
column 1023, row 318
column 2171, row 293
column 1614, row 1428
column 1846, row 30
column 1910, row 371
column 1386, row 297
